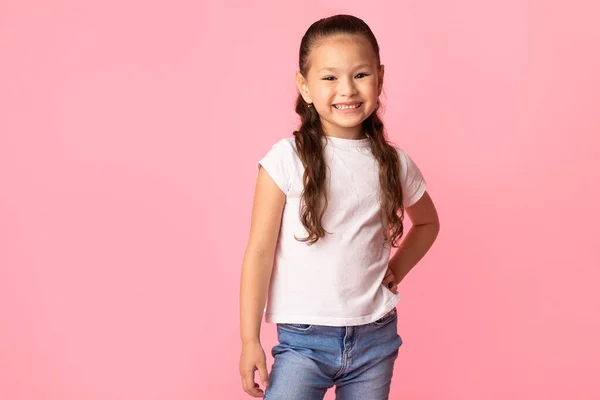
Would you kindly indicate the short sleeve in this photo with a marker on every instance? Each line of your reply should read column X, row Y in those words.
column 277, row 162
column 411, row 178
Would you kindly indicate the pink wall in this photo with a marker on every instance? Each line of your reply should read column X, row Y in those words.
column 129, row 133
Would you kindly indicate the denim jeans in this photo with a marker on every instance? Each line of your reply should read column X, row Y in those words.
column 358, row 360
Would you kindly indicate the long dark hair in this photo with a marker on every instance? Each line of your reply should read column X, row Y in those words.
column 310, row 147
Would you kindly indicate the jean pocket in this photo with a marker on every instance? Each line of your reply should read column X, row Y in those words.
column 300, row 328
column 387, row 318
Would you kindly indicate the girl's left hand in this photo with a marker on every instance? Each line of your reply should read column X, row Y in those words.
column 390, row 281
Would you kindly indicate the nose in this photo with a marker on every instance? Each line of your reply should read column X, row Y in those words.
column 347, row 87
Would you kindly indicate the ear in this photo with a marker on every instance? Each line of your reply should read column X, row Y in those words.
column 303, row 87
column 380, row 79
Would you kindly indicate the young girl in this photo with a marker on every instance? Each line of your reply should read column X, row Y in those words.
column 328, row 207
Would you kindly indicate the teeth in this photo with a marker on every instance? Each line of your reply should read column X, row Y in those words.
column 347, row 107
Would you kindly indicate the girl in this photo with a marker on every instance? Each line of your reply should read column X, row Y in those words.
column 328, row 207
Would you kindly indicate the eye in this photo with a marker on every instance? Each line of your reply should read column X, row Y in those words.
column 362, row 74
column 328, row 78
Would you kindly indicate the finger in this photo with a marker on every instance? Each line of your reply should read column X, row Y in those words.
column 250, row 386
column 264, row 375
column 247, row 380
column 256, row 391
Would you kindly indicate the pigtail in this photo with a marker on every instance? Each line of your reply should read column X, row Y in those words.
column 391, row 196
column 310, row 149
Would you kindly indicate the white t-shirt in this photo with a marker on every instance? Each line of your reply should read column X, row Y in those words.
column 338, row 280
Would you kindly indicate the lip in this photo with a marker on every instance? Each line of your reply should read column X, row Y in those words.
column 347, row 103
column 350, row 110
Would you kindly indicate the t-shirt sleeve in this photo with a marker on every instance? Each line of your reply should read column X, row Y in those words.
column 277, row 162
column 411, row 178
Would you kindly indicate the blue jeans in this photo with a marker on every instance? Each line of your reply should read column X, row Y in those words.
column 358, row 360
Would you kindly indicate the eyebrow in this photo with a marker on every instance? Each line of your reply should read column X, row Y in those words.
column 335, row 69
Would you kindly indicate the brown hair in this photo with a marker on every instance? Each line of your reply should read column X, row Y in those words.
column 308, row 140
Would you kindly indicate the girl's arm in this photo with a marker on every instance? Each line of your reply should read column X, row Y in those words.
column 269, row 201
column 257, row 266
column 419, row 239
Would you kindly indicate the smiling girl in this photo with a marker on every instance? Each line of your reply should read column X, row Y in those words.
column 329, row 204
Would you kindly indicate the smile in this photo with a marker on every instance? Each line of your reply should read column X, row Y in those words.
column 343, row 107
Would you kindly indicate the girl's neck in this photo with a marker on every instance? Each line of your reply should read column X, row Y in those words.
column 351, row 134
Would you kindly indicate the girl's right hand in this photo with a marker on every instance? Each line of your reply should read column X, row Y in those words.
column 253, row 358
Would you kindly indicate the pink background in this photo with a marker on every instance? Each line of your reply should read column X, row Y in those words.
column 129, row 133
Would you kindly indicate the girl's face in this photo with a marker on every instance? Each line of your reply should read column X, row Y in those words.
column 343, row 83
